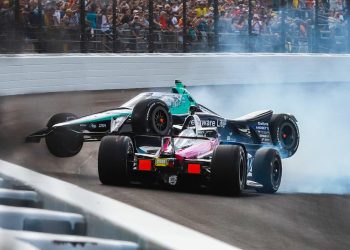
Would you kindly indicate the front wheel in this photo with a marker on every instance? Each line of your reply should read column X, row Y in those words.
column 115, row 160
column 229, row 169
column 61, row 141
column 267, row 169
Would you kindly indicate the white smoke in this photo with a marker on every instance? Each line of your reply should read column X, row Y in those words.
column 321, row 164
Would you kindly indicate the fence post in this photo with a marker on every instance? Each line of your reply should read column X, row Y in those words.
column 13, row 44
column 348, row 24
column 40, row 14
column 317, row 36
column 216, row 25
column 16, row 10
column 40, row 36
column 114, row 25
column 184, row 26
column 151, row 27
column 283, row 29
column 82, row 27
column 250, row 28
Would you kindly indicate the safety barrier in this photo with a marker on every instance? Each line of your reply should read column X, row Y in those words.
column 111, row 219
column 22, row 74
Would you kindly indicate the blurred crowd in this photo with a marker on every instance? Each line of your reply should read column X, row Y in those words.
column 269, row 24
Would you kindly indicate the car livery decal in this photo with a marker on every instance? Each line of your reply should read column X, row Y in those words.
column 96, row 118
column 263, row 131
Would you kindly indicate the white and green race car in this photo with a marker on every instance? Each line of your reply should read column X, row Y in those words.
column 161, row 114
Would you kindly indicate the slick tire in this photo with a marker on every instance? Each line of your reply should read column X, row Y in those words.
column 115, row 160
column 229, row 169
column 62, row 142
column 151, row 116
column 284, row 134
column 60, row 117
column 267, row 169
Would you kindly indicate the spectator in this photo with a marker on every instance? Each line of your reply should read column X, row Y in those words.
column 201, row 10
column 105, row 27
column 135, row 27
column 70, row 19
column 132, row 19
column 57, row 15
column 91, row 16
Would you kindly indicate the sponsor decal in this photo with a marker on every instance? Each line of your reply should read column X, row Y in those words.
column 102, row 125
column 262, row 126
column 161, row 162
column 210, row 123
column 172, row 180
column 221, row 123
column 263, row 131
column 69, row 118
column 149, row 110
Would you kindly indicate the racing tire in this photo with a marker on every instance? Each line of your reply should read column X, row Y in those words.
column 229, row 169
column 115, row 160
column 60, row 117
column 284, row 134
column 267, row 170
column 151, row 116
column 62, row 142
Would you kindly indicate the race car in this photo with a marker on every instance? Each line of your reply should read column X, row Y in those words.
column 226, row 167
column 161, row 114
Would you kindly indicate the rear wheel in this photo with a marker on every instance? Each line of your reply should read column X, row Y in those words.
column 229, row 169
column 267, row 169
column 151, row 116
column 62, row 142
column 284, row 134
column 115, row 160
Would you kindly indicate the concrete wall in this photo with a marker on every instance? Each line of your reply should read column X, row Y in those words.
column 22, row 74
column 111, row 219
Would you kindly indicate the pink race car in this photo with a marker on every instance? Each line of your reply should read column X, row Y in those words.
column 194, row 152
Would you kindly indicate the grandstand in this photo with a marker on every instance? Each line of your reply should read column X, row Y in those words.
column 137, row 26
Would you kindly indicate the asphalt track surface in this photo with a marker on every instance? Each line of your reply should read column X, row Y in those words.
column 251, row 221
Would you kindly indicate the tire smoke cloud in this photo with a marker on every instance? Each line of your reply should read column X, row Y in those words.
column 321, row 164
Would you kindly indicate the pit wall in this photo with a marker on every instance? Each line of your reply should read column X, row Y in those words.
column 24, row 74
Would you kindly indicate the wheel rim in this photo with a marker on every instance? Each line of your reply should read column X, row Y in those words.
column 276, row 174
column 160, row 120
column 287, row 135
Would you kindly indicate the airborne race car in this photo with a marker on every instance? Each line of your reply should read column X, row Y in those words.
column 155, row 113
column 227, row 167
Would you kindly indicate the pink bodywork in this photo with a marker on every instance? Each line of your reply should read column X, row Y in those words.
column 198, row 149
